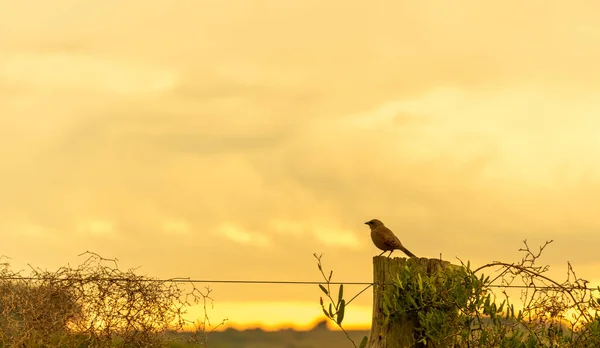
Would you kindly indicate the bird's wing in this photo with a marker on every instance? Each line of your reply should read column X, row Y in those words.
column 391, row 239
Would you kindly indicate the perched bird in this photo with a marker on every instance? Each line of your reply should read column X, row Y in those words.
column 384, row 238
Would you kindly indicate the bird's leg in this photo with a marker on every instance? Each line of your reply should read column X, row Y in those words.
column 391, row 251
column 382, row 253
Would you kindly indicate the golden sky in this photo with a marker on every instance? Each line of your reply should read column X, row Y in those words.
column 233, row 139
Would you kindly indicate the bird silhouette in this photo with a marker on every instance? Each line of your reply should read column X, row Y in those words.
column 385, row 239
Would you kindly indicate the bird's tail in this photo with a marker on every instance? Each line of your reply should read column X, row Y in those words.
column 407, row 252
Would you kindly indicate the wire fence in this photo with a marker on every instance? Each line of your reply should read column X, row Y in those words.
column 258, row 282
column 96, row 302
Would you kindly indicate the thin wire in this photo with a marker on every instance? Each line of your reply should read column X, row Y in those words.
column 187, row 280
column 265, row 282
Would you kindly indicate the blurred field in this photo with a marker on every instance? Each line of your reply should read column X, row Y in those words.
column 319, row 337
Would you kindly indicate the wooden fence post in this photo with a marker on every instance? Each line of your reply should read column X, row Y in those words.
column 396, row 334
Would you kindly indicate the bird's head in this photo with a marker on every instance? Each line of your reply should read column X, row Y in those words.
column 374, row 223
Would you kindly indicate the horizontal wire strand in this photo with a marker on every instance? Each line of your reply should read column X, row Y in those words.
column 258, row 282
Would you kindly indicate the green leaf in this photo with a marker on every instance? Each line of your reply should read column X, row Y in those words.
column 330, row 274
column 363, row 343
column 386, row 311
column 321, row 300
column 412, row 301
column 324, row 311
column 341, row 293
column 386, row 301
column 340, row 313
column 399, row 284
column 324, row 290
column 330, row 311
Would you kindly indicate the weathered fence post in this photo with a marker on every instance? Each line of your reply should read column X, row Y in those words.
column 396, row 334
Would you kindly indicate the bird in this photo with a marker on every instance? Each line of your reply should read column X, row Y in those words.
column 385, row 239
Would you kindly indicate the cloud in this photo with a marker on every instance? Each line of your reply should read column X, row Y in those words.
column 34, row 231
column 77, row 71
column 176, row 227
column 238, row 235
column 462, row 157
column 288, row 227
column 96, row 227
column 330, row 237
column 239, row 126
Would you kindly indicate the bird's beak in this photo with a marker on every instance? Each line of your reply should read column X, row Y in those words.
column 366, row 223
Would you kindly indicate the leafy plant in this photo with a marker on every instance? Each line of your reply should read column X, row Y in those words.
column 457, row 306
column 336, row 308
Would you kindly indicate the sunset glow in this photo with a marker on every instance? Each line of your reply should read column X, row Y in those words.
column 223, row 140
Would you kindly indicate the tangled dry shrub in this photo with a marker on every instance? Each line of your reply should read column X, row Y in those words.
column 553, row 313
column 94, row 305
